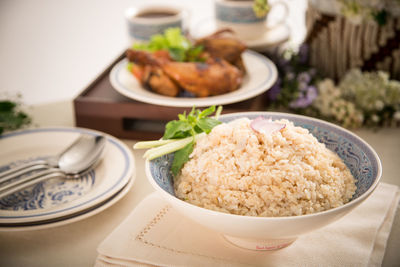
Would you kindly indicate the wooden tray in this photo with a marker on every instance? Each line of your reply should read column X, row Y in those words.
column 102, row 108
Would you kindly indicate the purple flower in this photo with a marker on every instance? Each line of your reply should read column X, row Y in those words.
column 290, row 76
column 312, row 71
column 283, row 62
column 312, row 93
column 303, row 53
column 303, row 86
column 275, row 90
column 304, row 77
column 304, row 100
column 288, row 69
column 301, row 102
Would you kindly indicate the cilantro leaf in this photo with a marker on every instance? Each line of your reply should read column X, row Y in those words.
column 177, row 129
column 195, row 122
column 181, row 157
column 206, row 124
column 206, row 112
column 180, row 136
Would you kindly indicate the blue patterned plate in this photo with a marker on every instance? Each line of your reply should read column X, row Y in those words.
column 74, row 217
column 59, row 198
column 261, row 74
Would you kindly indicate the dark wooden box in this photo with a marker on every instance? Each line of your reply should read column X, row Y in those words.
column 102, row 108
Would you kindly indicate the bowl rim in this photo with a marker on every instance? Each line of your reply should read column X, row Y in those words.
column 352, row 203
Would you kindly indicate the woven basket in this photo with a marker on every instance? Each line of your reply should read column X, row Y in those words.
column 338, row 44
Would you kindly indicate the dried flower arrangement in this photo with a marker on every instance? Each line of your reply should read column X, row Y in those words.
column 369, row 10
column 358, row 99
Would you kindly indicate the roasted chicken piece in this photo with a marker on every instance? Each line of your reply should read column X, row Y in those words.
column 213, row 77
column 151, row 75
column 222, row 71
column 159, row 82
column 223, row 44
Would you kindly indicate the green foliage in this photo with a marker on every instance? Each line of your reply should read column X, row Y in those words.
column 179, row 47
column 180, row 136
column 261, row 8
column 194, row 123
column 11, row 117
column 362, row 10
column 181, row 157
column 380, row 17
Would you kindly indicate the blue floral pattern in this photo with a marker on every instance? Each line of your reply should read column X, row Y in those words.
column 144, row 32
column 160, row 170
column 357, row 155
column 47, row 194
column 236, row 14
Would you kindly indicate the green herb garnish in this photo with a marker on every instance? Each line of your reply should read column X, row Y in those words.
column 11, row 117
column 178, row 46
column 181, row 135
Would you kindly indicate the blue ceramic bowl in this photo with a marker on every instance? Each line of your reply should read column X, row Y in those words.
column 277, row 232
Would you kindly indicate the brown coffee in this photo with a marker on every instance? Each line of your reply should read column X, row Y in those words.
column 155, row 14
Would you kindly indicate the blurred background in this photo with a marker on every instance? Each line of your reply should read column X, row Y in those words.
column 51, row 50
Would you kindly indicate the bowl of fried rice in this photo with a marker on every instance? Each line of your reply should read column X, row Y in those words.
column 262, row 179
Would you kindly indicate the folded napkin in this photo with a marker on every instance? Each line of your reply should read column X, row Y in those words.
column 155, row 234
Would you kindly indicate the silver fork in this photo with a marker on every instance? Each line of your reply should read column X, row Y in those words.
column 84, row 148
column 74, row 162
column 22, row 169
column 29, row 180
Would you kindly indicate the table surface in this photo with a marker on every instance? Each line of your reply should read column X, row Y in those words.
column 59, row 57
column 75, row 244
column 52, row 50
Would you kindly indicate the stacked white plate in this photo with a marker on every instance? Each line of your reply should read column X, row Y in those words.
column 61, row 201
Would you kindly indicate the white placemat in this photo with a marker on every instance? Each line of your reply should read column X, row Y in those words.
column 155, row 234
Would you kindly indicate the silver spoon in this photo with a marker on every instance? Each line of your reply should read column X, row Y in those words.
column 75, row 154
column 73, row 162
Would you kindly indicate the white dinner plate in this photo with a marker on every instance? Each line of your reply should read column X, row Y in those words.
column 261, row 75
column 272, row 37
column 60, row 198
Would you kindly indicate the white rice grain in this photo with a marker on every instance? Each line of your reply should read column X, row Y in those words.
column 237, row 170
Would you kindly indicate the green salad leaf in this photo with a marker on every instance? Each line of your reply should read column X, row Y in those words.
column 179, row 47
column 180, row 136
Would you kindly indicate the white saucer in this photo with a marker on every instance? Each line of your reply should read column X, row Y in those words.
column 272, row 36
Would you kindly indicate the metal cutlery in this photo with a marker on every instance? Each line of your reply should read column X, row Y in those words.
column 73, row 162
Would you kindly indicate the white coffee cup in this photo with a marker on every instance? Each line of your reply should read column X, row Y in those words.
column 144, row 22
column 240, row 17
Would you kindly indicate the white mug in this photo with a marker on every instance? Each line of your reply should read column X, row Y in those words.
column 144, row 22
column 240, row 17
